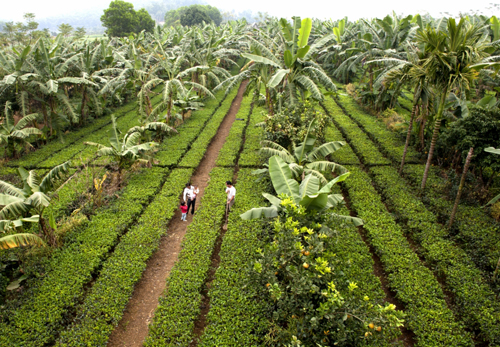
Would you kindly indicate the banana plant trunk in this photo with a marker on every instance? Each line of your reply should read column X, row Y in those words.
column 149, row 107
column 437, row 124
column 461, row 186
column 269, row 103
column 84, row 101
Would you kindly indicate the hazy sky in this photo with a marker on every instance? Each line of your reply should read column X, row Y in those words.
column 13, row 10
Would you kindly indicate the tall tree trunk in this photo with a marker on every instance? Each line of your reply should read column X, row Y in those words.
column 461, row 186
column 437, row 124
column 408, row 136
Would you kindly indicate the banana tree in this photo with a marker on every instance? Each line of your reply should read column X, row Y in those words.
column 306, row 158
column 157, row 127
column 309, row 194
column 33, row 197
column 19, row 239
column 294, row 72
column 11, row 133
column 125, row 151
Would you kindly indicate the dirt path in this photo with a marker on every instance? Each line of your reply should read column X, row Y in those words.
column 133, row 328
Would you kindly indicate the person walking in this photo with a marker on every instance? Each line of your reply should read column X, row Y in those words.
column 194, row 193
column 231, row 193
column 187, row 192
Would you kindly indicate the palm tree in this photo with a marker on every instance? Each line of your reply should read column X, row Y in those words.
column 448, row 63
column 11, row 134
column 406, row 72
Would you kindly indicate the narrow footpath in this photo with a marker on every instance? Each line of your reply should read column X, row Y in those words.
column 133, row 328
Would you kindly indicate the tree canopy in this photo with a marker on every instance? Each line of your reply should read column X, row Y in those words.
column 194, row 16
column 121, row 19
column 174, row 16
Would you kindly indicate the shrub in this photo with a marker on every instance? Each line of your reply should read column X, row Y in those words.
column 299, row 281
column 290, row 125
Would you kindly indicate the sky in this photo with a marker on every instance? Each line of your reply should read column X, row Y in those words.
column 323, row 9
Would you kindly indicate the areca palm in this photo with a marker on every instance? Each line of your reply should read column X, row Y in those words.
column 401, row 72
column 448, row 63
column 11, row 133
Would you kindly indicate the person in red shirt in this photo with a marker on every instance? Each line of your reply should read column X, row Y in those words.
column 184, row 210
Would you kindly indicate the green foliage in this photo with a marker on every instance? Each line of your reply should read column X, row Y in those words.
column 305, row 158
column 33, row 197
column 462, row 277
column 199, row 147
column 173, row 17
column 421, row 293
column 121, row 19
column 479, row 130
column 65, row 29
column 194, row 16
column 80, row 33
column 299, row 277
column 169, row 328
column 12, row 135
column 230, row 151
column 291, row 124
column 254, row 135
column 237, row 314
column 40, row 319
column 125, row 151
column 390, row 142
column 102, row 308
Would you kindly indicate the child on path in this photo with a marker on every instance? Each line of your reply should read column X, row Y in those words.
column 184, row 210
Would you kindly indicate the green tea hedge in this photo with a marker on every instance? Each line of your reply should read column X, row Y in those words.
column 180, row 307
column 103, row 307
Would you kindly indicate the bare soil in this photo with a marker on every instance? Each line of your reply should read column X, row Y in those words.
column 133, row 328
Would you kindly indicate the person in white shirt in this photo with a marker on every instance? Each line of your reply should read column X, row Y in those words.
column 231, row 193
column 193, row 194
column 187, row 196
